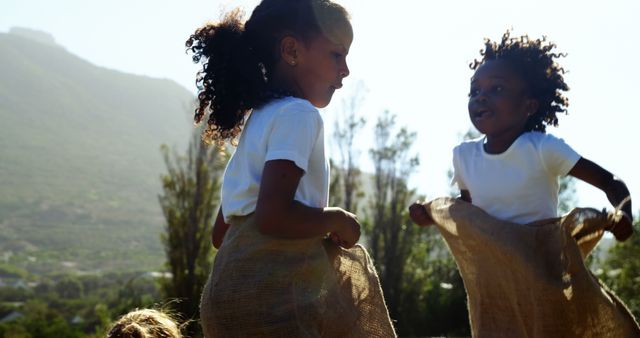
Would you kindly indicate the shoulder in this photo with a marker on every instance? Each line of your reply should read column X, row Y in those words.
column 295, row 103
column 541, row 139
column 293, row 106
column 550, row 145
column 468, row 146
column 557, row 156
column 288, row 112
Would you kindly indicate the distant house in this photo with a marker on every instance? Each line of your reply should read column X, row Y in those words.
column 16, row 283
column 77, row 320
column 20, row 284
column 13, row 315
column 157, row 275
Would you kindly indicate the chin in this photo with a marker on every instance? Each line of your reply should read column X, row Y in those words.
column 482, row 129
column 321, row 103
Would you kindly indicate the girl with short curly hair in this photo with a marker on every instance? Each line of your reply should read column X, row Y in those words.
column 512, row 172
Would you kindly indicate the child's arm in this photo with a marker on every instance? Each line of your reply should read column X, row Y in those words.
column 420, row 216
column 219, row 230
column 279, row 215
column 615, row 189
column 465, row 195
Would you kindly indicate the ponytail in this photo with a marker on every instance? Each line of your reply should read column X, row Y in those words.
column 232, row 79
column 238, row 59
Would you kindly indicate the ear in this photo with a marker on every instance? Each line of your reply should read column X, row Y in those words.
column 289, row 50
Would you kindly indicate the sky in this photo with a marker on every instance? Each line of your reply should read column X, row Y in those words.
column 412, row 57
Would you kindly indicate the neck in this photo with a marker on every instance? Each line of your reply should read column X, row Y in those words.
column 499, row 143
column 283, row 82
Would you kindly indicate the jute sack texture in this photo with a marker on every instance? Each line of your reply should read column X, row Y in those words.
column 530, row 280
column 265, row 287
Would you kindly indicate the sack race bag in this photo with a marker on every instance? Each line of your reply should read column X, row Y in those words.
column 530, row 280
column 266, row 287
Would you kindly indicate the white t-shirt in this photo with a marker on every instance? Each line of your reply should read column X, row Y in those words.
column 284, row 129
column 520, row 184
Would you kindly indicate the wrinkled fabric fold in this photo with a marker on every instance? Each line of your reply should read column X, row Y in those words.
column 530, row 280
column 265, row 287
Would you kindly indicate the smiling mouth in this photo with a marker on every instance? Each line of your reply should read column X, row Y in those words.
column 482, row 114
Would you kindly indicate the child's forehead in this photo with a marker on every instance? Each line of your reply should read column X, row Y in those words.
column 494, row 69
column 339, row 33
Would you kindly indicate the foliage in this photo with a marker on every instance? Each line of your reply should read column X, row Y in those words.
column 420, row 280
column 189, row 203
column 55, row 307
column 78, row 158
column 622, row 271
column 346, row 186
column 567, row 195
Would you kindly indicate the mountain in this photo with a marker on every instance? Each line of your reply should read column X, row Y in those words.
column 80, row 159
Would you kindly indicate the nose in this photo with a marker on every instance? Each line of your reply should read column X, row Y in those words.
column 344, row 72
column 480, row 97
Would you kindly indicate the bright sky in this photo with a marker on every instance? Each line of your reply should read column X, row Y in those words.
column 413, row 57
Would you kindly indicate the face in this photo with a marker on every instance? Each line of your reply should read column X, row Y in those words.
column 321, row 64
column 498, row 101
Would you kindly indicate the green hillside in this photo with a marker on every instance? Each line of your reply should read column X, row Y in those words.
column 80, row 159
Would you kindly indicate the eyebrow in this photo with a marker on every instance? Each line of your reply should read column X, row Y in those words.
column 492, row 77
column 342, row 47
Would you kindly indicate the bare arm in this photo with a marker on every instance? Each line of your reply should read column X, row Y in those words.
column 279, row 215
column 420, row 216
column 613, row 187
column 465, row 196
column 219, row 230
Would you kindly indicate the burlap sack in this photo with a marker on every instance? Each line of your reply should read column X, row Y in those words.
column 265, row 287
column 530, row 280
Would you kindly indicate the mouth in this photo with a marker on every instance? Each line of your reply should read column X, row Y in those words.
column 481, row 114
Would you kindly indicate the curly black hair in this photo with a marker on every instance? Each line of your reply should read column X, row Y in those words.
column 535, row 63
column 238, row 59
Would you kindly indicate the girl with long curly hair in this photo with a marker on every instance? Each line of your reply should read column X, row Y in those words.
column 260, row 88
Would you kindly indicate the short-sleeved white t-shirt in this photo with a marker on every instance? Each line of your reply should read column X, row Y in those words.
column 520, row 184
column 284, row 129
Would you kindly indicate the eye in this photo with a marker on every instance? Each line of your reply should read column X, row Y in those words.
column 498, row 88
column 474, row 92
column 336, row 55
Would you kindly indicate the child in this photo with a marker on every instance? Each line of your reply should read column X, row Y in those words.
column 145, row 323
column 267, row 77
column 512, row 172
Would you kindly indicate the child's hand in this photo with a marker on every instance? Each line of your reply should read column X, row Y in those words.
column 419, row 214
column 347, row 227
column 622, row 228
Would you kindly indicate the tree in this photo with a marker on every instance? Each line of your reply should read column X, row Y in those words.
column 335, row 187
column 39, row 320
column 69, row 288
column 622, row 270
column 391, row 235
column 189, row 203
column 567, row 195
column 346, row 178
column 433, row 301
